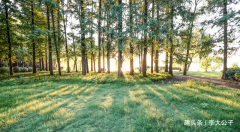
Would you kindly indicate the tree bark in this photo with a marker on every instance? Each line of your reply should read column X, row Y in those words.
column 65, row 28
column 152, row 50
column 56, row 47
column 108, row 52
column 40, row 64
column 171, row 42
column 120, row 47
column 49, row 44
column 74, row 48
column 83, row 39
column 145, row 41
column 225, row 42
column 103, row 55
column 46, row 57
column 43, row 64
column 91, row 53
column 99, row 38
column 33, row 42
column 166, row 62
column 131, row 46
column 9, row 41
column 139, row 57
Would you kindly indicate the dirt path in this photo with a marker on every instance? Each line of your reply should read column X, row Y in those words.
column 221, row 82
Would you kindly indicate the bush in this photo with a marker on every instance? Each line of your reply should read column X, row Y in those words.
column 16, row 69
column 30, row 69
column 231, row 73
column 237, row 75
column 4, row 70
column 24, row 69
column 20, row 69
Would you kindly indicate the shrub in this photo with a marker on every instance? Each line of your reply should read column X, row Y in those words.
column 24, row 69
column 237, row 75
column 20, row 69
column 16, row 69
column 231, row 73
column 4, row 70
column 30, row 69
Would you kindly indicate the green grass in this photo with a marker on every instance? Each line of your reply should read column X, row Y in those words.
column 210, row 74
column 132, row 103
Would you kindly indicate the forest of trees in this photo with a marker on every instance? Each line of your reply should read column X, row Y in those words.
column 40, row 33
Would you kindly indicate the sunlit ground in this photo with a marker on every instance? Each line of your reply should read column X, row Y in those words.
column 99, row 102
column 211, row 74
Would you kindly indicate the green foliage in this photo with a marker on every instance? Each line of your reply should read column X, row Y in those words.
column 217, row 63
column 206, row 63
column 4, row 70
column 233, row 74
column 235, row 65
column 23, row 69
column 237, row 75
column 16, row 69
column 30, row 69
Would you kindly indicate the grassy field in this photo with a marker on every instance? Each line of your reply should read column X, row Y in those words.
column 210, row 74
column 101, row 102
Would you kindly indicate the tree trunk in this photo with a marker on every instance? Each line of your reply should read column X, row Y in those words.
column 171, row 41
column 166, row 62
column 152, row 38
column 157, row 50
column 189, row 41
column 56, row 47
column 87, row 63
column 33, row 42
column 108, row 53
column 185, row 64
column 65, row 28
column 131, row 46
column 46, row 57
column 139, row 57
column 145, row 41
column 99, row 38
column 120, row 47
column 9, row 41
column 40, row 64
column 171, row 61
column 75, row 61
column 156, row 62
column 103, row 55
column 225, row 42
column 49, row 44
column 91, row 53
column 83, row 39
column 94, row 64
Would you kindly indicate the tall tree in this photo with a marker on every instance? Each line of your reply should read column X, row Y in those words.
column 171, row 41
column 49, row 42
column 56, row 47
column 99, row 36
column 84, row 70
column 191, row 19
column 225, row 40
column 9, row 39
column 145, row 39
column 120, row 35
column 131, row 35
column 33, row 41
